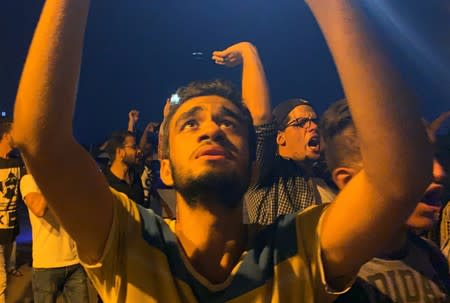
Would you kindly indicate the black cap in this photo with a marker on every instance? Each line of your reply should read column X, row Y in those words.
column 282, row 110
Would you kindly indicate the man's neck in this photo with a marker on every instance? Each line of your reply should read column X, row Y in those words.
column 212, row 238
column 306, row 165
column 121, row 171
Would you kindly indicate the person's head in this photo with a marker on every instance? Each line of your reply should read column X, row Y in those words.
column 122, row 147
column 5, row 133
column 208, row 144
column 147, row 152
column 343, row 156
column 298, row 137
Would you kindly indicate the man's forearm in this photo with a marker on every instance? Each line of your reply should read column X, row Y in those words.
column 36, row 204
column 383, row 108
column 255, row 90
column 50, row 76
column 66, row 174
column 396, row 154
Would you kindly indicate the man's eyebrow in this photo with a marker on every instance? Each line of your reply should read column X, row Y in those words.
column 228, row 112
column 188, row 114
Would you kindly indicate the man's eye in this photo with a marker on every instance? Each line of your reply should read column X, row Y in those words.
column 189, row 124
column 301, row 122
column 228, row 124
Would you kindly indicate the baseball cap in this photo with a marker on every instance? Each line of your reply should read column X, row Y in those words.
column 281, row 111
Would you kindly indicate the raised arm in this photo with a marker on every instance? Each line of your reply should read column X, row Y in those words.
column 255, row 91
column 437, row 123
column 133, row 118
column 148, row 131
column 397, row 156
column 69, row 179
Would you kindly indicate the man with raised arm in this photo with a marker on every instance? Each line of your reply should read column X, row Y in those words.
column 286, row 178
column 207, row 254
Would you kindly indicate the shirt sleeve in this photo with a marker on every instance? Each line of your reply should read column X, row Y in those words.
column 28, row 185
column 257, row 207
column 307, row 220
column 266, row 148
column 108, row 274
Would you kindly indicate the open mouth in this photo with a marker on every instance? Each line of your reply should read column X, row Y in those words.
column 433, row 196
column 314, row 143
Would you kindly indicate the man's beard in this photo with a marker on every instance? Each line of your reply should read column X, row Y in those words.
column 226, row 189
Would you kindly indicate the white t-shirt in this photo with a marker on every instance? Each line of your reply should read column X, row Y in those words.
column 52, row 246
column 326, row 194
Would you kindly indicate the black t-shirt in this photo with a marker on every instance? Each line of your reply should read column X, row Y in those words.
column 417, row 273
column 133, row 191
column 11, row 171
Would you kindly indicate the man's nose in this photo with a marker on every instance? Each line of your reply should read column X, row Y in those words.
column 211, row 130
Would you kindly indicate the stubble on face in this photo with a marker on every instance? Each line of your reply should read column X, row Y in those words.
column 210, row 180
column 219, row 187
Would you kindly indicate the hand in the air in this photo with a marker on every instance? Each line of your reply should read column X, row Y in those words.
column 133, row 116
column 233, row 55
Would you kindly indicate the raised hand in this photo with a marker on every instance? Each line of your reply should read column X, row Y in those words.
column 255, row 91
column 133, row 116
column 436, row 124
column 233, row 55
column 151, row 127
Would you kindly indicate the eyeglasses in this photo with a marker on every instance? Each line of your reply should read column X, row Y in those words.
column 302, row 122
column 134, row 146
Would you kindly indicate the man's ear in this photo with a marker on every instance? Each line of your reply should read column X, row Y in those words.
column 342, row 175
column 166, row 172
column 281, row 139
column 120, row 153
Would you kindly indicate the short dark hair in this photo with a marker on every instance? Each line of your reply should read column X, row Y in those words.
column 221, row 88
column 5, row 126
column 116, row 141
column 339, row 137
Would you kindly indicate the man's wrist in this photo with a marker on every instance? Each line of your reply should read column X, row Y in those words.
column 249, row 51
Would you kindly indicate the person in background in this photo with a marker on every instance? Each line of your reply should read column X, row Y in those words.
column 11, row 171
column 288, row 144
column 442, row 235
column 133, row 118
column 124, row 174
column 56, row 266
column 410, row 268
column 151, row 181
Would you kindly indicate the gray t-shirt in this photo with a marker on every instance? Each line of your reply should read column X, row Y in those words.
column 419, row 273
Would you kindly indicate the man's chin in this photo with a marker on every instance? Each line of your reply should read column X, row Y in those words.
column 422, row 224
column 215, row 168
column 224, row 187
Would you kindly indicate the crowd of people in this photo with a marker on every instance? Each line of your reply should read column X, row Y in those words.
column 228, row 199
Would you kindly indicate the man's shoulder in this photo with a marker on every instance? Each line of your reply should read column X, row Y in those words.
column 112, row 180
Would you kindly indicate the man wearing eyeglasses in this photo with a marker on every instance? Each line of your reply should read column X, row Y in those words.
column 287, row 155
column 123, row 174
column 288, row 145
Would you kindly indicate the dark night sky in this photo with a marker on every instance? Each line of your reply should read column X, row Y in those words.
column 137, row 52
